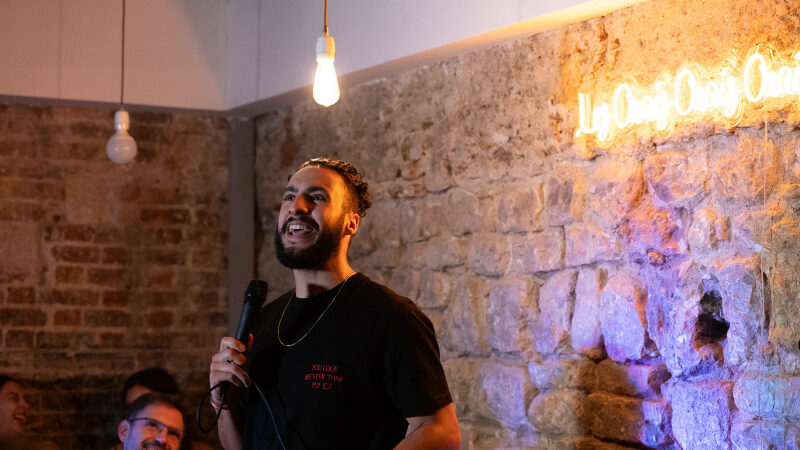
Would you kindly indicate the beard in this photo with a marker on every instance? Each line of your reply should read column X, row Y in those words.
column 315, row 255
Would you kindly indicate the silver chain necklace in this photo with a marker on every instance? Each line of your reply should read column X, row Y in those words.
column 315, row 322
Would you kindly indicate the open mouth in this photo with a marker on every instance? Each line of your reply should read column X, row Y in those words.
column 20, row 420
column 298, row 228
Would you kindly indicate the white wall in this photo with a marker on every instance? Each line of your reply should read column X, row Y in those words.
column 243, row 54
column 70, row 50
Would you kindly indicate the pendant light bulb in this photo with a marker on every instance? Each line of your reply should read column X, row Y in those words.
column 121, row 148
column 326, row 87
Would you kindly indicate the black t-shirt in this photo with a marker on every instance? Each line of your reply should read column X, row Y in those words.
column 369, row 362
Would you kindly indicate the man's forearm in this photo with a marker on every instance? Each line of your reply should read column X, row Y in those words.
column 439, row 431
column 229, row 429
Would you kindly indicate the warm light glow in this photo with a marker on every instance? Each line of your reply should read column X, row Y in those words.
column 692, row 95
column 326, row 87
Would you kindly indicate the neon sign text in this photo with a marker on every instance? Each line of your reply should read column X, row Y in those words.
column 692, row 94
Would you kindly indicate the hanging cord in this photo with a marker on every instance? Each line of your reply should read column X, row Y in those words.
column 122, row 75
column 206, row 397
column 325, row 20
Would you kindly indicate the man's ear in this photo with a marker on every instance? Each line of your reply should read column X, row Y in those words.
column 123, row 429
column 352, row 223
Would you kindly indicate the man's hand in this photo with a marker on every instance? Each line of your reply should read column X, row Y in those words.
column 439, row 431
column 226, row 366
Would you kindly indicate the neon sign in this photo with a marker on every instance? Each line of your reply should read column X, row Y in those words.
column 692, row 94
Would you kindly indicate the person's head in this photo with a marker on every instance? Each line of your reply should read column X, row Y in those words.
column 152, row 421
column 321, row 209
column 13, row 408
column 154, row 379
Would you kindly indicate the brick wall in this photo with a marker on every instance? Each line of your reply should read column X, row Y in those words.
column 580, row 293
column 107, row 269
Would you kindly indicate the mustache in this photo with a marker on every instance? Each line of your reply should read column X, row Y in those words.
column 151, row 444
column 305, row 220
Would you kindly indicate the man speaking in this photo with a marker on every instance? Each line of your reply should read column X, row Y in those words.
column 342, row 362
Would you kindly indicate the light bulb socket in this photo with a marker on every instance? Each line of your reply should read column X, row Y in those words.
column 122, row 120
column 326, row 49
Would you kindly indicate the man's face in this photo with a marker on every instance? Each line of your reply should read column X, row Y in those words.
column 13, row 409
column 157, row 426
column 312, row 218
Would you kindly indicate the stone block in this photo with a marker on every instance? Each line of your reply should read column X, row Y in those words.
column 706, row 231
column 443, row 252
column 421, row 219
column 587, row 244
column 507, row 315
column 538, row 252
column 571, row 373
column 677, row 178
column 463, row 380
column 520, row 208
column 585, row 331
column 742, row 175
column 565, row 196
column 435, row 289
column 616, row 188
column 465, row 317
column 749, row 435
column 648, row 228
column 463, row 212
column 507, row 390
column 673, row 308
column 489, row 254
column 785, row 309
column 626, row 419
column 406, row 283
column 556, row 303
column 709, row 400
column 622, row 318
column 638, row 380
column 744, row 308
column 768, row 396
column 559, row 412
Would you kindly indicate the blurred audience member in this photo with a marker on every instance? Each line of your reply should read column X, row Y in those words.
column 154, row 379
column 13, row 408
column 152, row 421
column 14, row 417
column 159, row 381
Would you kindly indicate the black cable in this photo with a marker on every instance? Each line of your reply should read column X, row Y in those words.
column 222, row 402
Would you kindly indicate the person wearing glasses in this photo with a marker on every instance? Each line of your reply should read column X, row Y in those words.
column 152, row 421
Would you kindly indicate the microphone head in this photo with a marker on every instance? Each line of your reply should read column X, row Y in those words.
column 256, row 292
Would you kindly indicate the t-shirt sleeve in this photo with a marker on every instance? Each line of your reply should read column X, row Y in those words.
column 415, row 378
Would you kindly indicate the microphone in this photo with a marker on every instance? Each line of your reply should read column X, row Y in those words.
column 254, row 298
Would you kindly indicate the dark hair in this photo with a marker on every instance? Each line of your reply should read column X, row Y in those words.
column 359, row 189
column 5, row 379
column 153, row 398
column 155, row 378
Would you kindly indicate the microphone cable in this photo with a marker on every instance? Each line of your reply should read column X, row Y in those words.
column 206, row 397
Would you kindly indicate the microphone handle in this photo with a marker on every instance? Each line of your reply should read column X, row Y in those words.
column 246, row 319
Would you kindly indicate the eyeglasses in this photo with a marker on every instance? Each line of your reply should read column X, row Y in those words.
column 154, row 426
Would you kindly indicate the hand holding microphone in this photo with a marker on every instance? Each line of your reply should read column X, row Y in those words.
column 226, row 364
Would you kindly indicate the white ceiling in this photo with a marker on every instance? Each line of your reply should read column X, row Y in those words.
column 244, row 55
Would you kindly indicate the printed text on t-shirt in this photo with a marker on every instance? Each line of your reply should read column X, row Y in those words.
column 323, row 376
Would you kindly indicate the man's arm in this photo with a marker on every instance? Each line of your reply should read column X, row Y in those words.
column 226, row 366
column 439, row 431
column 228, row 427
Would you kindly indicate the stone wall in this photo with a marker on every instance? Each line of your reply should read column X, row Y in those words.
column 643, row 295
column 107, row 269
